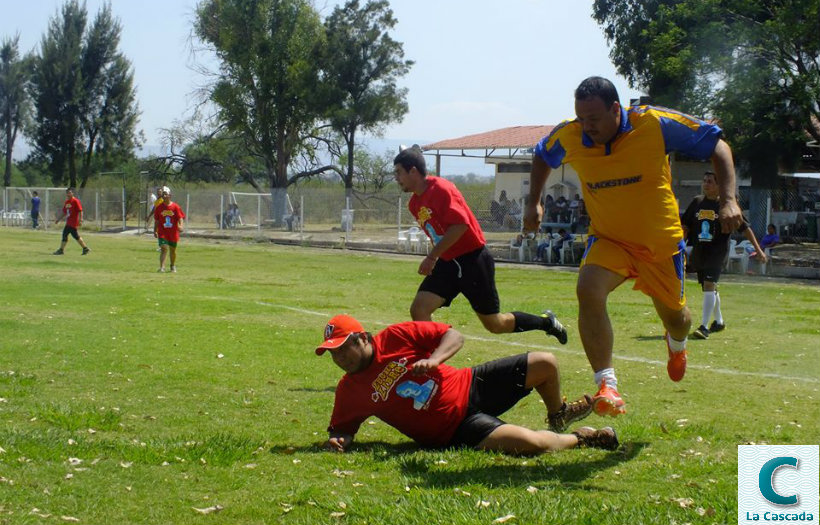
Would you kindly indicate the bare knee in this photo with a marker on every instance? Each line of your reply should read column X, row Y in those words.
column 542, row 367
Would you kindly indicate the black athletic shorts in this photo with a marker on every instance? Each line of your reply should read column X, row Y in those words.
column 709, row 274
column 496, row 387
column 68, row 230
column 471, row 274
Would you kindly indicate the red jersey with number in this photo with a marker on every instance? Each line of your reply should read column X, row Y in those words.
column 426, row 408
column 441, row 206
column 167, row 217
column 72, row 209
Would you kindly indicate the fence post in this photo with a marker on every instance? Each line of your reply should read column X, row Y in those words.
column 768, row 213
column 47, row 209
column 97, row 207
column 187, row 204
column 398, row 214
column 301, row 217
column 259, row 214
column 5, row 206
column 123, row 202
column 221, row 211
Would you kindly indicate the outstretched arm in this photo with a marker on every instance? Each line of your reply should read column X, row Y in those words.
column 761, row 253
column 533, row 211
column 451, row 342
column 339, row 442
column 729, row 212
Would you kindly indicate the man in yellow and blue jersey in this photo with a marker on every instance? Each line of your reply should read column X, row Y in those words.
column 621, row 157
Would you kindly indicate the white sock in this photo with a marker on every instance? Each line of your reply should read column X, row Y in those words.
column 708, row 307
column 675, row 345
column 608, row 375
column 718, row 314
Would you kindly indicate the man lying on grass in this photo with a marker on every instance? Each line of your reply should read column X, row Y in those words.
column 399, row 376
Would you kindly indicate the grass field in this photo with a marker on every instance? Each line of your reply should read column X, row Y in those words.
column 128, row 396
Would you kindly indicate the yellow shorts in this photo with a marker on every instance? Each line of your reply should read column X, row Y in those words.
column 662, row 280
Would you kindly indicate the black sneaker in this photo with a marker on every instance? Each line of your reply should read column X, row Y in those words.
column 555, row 327
column 605, row 438
column 58, row 252
column 701, row 333
column 715, row 327
column 570, row 413
column 86, row 250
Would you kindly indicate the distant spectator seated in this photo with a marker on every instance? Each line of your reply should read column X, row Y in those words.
column 512, row 219
column 497, row 212
column 549, row 207
column 561, row 210
column 771, row 239
column 573, row 207
column 580, row 223
column 563, row 237
column 543, row 246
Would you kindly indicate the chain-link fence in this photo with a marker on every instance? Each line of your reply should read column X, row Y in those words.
column 314, row 214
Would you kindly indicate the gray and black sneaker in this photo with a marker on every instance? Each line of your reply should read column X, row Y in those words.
column 701, row 333
column 605, row 438
column 86, row 250
column 555, row 327
column 715, row 327
column 58, row 252
column 570, row 413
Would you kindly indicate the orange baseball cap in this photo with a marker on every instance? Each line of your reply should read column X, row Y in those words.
column 337, row 331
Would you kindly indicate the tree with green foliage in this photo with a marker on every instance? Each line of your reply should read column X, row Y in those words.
column 361, row 66
column 265, row 90
column 14, row 100
column 752, row 64
column 84, row 97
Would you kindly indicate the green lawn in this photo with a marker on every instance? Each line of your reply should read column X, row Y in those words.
column 128, row 396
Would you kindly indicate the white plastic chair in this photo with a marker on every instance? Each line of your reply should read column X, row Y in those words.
column 417, row 239
column 566, row 252
column 738, row 252
column 403, row 240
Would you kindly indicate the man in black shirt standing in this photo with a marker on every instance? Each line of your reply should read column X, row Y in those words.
column 710, row 247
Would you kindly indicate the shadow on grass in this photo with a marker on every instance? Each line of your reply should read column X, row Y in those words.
column 570, row 472
column 379, row 449
column 649, row 337
column 331, row 389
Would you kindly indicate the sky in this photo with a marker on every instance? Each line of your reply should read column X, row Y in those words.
column 480, row 65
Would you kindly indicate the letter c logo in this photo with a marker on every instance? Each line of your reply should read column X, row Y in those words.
column 766, row 480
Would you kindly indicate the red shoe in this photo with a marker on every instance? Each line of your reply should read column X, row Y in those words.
column 676, row 365
column 608, row 402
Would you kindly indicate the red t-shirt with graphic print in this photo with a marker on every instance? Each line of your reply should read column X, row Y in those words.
column 72, row 209
column 441, row 206
column 427, row 408
column 167, row 217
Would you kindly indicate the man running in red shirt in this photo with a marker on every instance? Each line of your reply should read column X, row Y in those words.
column 168, row 223
column 459, row 261
column 72, row 212
column 399, row 376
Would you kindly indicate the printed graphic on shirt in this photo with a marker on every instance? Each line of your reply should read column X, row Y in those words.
column 167, row 214
column 425, row 214
column 387, row 378
column 706, row 217
column 420, row 394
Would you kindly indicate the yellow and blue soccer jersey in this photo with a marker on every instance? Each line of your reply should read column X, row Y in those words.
column 627, row 183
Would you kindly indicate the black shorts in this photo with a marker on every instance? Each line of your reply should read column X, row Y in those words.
column 496, row 387
column 709, row 274
column 68, row 230
column 471, row 274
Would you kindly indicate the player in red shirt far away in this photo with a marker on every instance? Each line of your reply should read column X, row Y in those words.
column 168, row 223
column 459, row 261
column 72, row 212
column 400, row 377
